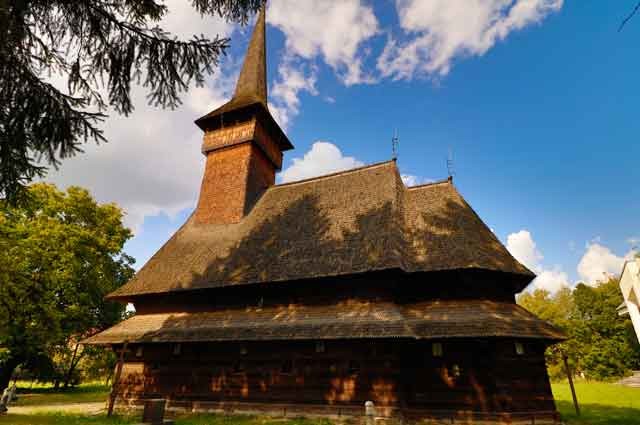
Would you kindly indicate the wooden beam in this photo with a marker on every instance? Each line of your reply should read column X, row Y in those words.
column 116, row 379
column 570, row 377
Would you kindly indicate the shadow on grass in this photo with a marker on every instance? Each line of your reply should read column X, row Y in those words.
column 57, row 418
column 213, row 419
column 598, row 414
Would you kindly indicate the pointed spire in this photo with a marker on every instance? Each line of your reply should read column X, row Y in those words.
column 252, row 82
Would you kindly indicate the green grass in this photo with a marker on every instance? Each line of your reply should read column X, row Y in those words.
column 46, row 394
column 77, row 419
column 600, row 403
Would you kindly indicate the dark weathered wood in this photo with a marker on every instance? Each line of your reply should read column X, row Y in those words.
column 392, row 373
column 116, row 379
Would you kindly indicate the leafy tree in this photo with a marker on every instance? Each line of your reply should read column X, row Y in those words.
column 60, row 254
column 600, row 343
column 607, row 348
column 556, row 309
column 96, row 45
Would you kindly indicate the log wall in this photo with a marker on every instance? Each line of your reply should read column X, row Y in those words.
column 482, row 376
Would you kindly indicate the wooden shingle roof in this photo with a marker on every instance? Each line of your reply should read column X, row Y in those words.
column 346, row 223
column 346, row 319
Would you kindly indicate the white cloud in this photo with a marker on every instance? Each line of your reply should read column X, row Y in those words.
column 522, row 246
column 152, row 164
column 183, row 21
column 285, row 93
column 323, row 158
column 551, row 280
column 524, row 249
column 413, row 180
column 438, row 31
column 334, row 31
column 598, row 263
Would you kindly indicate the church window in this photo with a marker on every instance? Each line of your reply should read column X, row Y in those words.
column 436, row 349
column 519, row 348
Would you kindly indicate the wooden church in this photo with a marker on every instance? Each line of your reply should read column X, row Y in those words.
column 316, row 296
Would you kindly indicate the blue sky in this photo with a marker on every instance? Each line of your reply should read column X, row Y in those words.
column 539, row 109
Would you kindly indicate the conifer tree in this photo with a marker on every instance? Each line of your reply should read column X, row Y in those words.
column 98, row 46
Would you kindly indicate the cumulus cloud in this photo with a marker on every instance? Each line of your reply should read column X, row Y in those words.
column 152, row 164
column 522, row 246
column 322, row 158
column 333, row 31
column 598, row 263
column 285, row 93
column 413, row 180
column 438, row 31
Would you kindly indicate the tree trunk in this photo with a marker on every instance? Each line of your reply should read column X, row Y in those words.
column 6, row 371
column 75, row 359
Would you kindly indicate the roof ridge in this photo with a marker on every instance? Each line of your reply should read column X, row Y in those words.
column 335, row 174
column 447, row 180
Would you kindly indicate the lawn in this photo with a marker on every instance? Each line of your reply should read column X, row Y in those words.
column 39, row 394
column 601, row 404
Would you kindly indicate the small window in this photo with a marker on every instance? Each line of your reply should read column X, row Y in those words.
column 287, row 367
column 139, row 351
column 436, row 349
column 519, row 348
column 320, row 347
column 177, row 349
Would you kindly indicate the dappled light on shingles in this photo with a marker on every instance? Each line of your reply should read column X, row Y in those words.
column 317, row 229
column 424, row 319
column 342, row 390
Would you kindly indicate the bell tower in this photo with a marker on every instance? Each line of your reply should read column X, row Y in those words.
column 242, row 142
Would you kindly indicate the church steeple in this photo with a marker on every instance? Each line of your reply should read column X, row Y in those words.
column 242, row 142
column 252, row 82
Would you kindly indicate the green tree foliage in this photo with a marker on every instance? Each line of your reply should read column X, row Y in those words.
column 601, row 344
column 98, row 46
column 60, row 254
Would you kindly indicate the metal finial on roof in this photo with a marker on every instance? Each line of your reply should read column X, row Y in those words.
column 252, row 81
column 395, row 144
column 450, row 165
